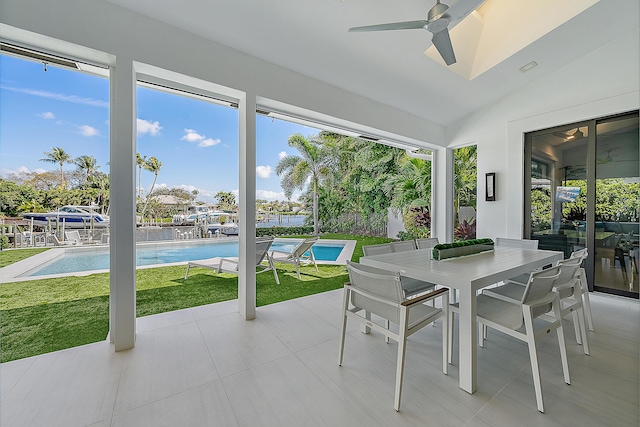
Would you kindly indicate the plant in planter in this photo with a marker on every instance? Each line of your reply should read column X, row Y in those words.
column 466, row 247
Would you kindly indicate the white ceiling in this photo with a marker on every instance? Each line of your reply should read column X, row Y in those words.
column 310, row 37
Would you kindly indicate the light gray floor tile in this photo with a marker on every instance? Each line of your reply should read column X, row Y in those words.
column 206, row 405
column 164, row 362
column 236, row 344
column 74, row 387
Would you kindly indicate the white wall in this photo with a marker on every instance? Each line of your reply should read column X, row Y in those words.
column 604, row 82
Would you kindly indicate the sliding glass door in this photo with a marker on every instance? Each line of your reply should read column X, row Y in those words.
column 582, row 189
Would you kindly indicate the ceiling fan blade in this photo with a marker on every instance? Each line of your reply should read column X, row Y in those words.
column 442, row 42
column 462, row 8
column 408, row 25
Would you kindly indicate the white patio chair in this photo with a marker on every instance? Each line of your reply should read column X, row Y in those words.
column 301, row 255
column 516, row 243
column 426, row 242
column 403, row 245
column 569, row 290
column 584, row 286
column 73, row 236
column 383, row 248
column 380, row 292
column 263, row 261
column 508, row 317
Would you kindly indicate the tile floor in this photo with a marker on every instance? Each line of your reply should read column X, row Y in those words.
column 207, row 367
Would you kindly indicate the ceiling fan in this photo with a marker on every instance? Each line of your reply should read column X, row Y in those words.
column 570, row 136
column 437, row 23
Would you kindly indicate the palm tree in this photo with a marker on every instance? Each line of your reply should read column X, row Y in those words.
column 57, row 155
column 140, row 161
column 88, row 164
column 312, row 166
column 152, row 165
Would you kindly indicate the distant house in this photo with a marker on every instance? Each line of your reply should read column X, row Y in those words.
column 169, row 200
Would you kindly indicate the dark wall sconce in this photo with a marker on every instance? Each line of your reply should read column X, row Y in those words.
column 490, row 187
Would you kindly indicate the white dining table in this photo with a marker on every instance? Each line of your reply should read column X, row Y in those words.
column 467, row 274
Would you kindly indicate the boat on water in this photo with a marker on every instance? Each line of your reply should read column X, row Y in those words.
column 222, row 222
column 212, row 221
column 69, row 217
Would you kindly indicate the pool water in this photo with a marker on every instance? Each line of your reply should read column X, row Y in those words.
column 159, row 254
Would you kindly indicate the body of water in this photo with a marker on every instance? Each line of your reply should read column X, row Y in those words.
column 157, row 254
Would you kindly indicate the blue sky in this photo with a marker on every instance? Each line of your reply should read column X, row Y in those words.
column 196, row 141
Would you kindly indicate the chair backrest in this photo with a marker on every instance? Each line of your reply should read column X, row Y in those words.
column 581, row 253
column 568, row 274
column 304, row 247
column 382, row 284
column 516, row 243
column 383, row 248
column 539, row 285
column 426, row 242
column 262, row 247
column 402, row 246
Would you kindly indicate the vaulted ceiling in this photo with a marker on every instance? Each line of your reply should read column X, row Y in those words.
column 492, row 44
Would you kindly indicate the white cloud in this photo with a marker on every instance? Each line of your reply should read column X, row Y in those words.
column 59, row 96
column 263, row 171
column 191, row 135
column 48, row 115
column 209, row 142
column 87, row 130
column 273, row 195
column 145, row 126
column 20, row 170
column 282, row 154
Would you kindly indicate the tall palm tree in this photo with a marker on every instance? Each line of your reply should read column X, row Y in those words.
column 140, row 161
column 57, row 155
column 311, row 166
column 152, row 165
column 88, row 164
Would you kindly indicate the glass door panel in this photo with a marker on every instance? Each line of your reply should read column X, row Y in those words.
column 617, row 197
column 558, row 198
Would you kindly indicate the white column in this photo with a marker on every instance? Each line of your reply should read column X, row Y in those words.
column 442, row 185
column 122, row 299
column 247, row 207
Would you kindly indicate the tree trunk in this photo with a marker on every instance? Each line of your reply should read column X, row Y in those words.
column 315, row 208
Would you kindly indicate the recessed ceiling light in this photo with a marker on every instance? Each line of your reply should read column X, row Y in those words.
column 529, row 66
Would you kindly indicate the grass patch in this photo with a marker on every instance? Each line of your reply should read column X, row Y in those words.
column 10, row 256
column 46, row 315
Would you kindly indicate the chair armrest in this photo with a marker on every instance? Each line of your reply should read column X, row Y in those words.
column 425, row 297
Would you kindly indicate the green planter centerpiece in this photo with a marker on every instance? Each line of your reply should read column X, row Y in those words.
column 457, row 249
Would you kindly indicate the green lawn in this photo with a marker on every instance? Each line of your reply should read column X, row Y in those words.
column 53, row 314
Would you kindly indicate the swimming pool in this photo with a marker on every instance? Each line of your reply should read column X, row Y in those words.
column 78, row 260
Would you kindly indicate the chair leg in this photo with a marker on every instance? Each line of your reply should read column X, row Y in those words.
column 402, row 347
column 450, row 335
column 343, row 328
column 562, row 344
column 533, row 355
column 187, row 273
column 585, row 299
column 576, row 326
column 445, row 335
column 583, row 330
column 298, row 270
column 365, row 328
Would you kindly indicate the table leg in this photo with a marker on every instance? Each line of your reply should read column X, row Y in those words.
column 468, row 341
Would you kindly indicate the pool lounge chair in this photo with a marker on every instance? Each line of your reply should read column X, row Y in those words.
column 231, row 265
column 301, row 255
